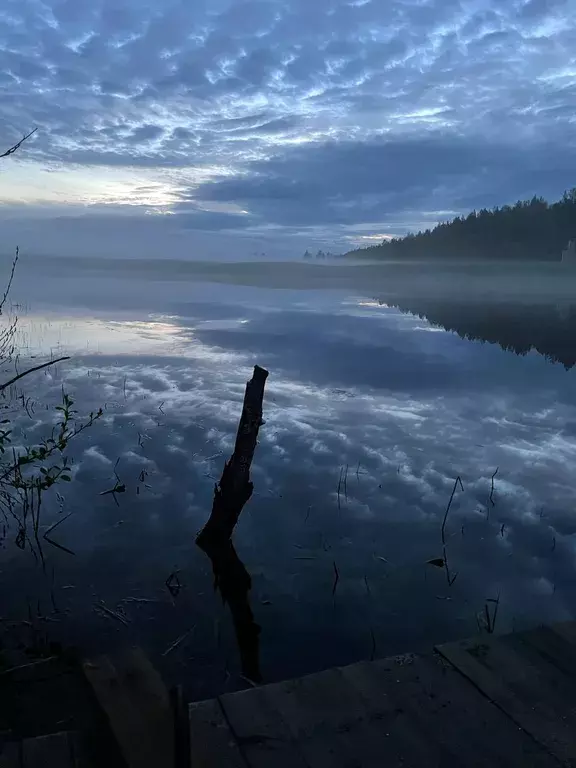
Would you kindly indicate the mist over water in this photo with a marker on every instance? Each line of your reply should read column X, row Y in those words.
column 364, row 380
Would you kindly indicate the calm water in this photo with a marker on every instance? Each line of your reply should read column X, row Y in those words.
column 358, row 389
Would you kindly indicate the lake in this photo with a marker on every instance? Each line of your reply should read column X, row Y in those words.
column 371, row 413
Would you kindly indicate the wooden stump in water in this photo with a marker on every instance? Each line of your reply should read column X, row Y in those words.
column 235, row 487
column 230, row 495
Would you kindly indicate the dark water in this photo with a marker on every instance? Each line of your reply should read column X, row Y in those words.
column 358, row 389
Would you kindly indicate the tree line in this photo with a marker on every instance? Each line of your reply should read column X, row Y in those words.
column 528, row 230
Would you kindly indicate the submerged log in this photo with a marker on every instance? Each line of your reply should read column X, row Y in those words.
column 235, row 488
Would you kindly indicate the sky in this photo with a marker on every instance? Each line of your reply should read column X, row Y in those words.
column 219, row 127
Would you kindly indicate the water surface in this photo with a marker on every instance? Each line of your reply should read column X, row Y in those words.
column 371, row 414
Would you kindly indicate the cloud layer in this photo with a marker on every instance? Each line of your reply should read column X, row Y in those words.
column 280, row 118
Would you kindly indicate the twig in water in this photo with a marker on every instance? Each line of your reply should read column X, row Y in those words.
column 340, row 485
column 14, row 379
column 173, row 584
column 553, row 544
column 214, row 456
column 373, row 650
column 456, row 482
column 103, row 608
column 491, row 502
column 346, row 484
column 52, row 595
column 336, row 578
column 449, row 577
column 10, row 280
column 55, row 543
column 490, row 620
column 502, row 529
column 308, row 513
column 119, row 487
column 131, row 599
column 178, row 641
column 367, row 585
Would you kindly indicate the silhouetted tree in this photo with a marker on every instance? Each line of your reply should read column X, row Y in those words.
column 528, row 230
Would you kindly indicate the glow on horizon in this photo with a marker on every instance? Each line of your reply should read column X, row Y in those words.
column 34, row 184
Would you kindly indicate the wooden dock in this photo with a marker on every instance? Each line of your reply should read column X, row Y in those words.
column 490, row 701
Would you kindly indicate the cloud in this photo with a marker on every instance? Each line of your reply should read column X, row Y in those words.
column 339, row 182
column 235, row 92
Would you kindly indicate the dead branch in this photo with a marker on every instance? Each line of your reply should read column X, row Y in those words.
column 235, row 488
column 10, row 279
column 230, row 495
column 31, row 370
column 18, row 144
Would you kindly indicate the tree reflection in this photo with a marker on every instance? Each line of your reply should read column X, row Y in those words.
column 234, row 583
column 549, row 329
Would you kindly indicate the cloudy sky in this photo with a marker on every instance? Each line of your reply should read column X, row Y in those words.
column 274, row 125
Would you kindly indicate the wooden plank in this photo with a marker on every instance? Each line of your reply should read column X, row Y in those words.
column 566, row 630
column 333, row 727
column 57, row 750
column 453, row 721
column 212, row 744
column 262, row 734
column 525, row 687
column 136, row 703
column 546, row 684
column 10, row 755
column 553, row 647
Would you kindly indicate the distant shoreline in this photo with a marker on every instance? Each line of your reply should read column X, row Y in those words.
column 535, row 281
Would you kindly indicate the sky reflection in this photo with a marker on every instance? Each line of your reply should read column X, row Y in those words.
column 352, row 384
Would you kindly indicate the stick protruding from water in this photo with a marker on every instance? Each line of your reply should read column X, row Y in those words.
column 235, row 487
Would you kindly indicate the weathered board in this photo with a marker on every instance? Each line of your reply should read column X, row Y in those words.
column 211, row 740
column 507, row 701
column 441, row 714
column 55, row 750
column 260, row 729
column 137, row 705
column 523, row 675
column 10, row 755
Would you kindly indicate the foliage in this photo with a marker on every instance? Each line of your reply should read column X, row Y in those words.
column 27, row 472
column 528, row 230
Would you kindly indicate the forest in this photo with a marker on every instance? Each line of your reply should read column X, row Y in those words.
column 533, row 230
